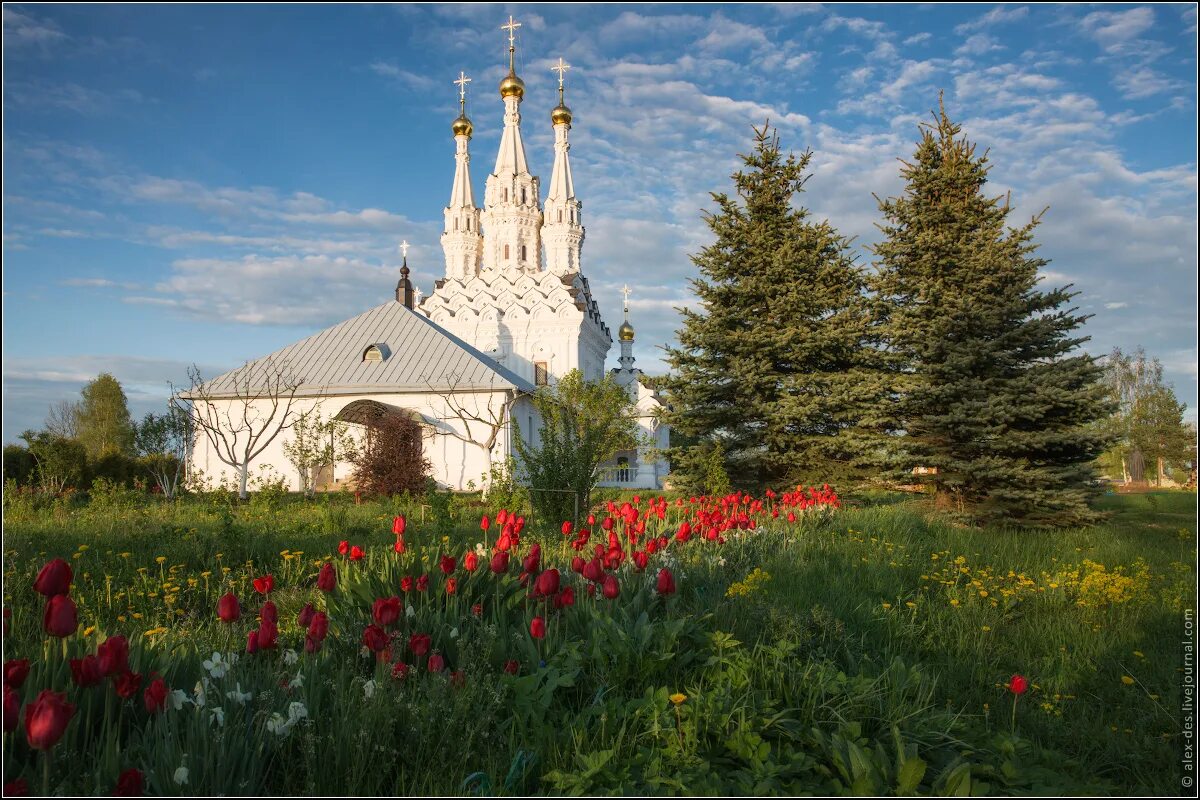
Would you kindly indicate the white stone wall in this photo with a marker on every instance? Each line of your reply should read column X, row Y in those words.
column 455, row 462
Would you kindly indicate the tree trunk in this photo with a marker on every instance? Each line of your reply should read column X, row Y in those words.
column 242, row 493
column 1161, row 473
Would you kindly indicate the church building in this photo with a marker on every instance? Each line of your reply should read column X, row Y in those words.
column 513, row 311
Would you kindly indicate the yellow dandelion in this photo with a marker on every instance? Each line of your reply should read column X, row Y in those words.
column 89, row 630
column 986, row 628
column 1128, row 681
column 161, row 560
column 84, row 547
column 678, row 698
column 911, row 604
column 1139, row 654
column 954, row 601
column 887, row 606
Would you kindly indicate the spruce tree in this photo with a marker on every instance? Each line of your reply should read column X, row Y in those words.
column 990, row 389
column 102, row 420
column 772, row 365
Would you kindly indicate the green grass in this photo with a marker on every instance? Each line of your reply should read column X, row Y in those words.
column 804, row 683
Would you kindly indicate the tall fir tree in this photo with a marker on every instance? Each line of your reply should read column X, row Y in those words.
column 104, row 426
column 770, row 374
column 990, row 389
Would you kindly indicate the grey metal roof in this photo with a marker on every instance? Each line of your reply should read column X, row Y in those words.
column 423, row 356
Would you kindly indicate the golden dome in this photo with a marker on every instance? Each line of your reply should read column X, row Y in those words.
column 512, row 85
column 625, row 333
column 462, row 126
column 560, row 114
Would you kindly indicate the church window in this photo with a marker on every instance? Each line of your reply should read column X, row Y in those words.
column 505, row 252
column 522, row 252
column 468, row 223
column 456, row 224
column 540, row 373
column 522, row 195
column 560, row 215
column 506, row 195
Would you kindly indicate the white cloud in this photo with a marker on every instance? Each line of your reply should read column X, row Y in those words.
column 997, row 16
column 22, row 30
column 1114, row 29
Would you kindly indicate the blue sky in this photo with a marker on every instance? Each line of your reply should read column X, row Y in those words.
column 208, row 183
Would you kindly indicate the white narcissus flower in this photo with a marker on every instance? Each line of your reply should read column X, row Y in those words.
column 410, row 612
column 296, row 712
column 238, row 696
column 296, row 682
column 290, row 657
column 177, row 698
column 181, row 776
column 201, row 694
column 454, row 633
column 278, row 725
column 216, row 666
column 369, row 689
column 218, row 715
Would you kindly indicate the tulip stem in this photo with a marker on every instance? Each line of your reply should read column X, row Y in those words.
column 1014, row 714
column 46, row 773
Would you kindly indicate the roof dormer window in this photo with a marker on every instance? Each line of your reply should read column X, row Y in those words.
column 376, row 352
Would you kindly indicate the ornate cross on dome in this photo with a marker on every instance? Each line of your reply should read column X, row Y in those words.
column 511, row 27
column 404, row 245
column 462, row 82
column 626, row 291
column 560, row 68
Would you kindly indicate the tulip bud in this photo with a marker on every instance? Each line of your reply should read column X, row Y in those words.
column 399, row 524
column 470, row 561
column 54, row 578
column 356, row 553
column 611, row 587
column 252, row 642
column 61, row 618
column 131, row 783
column 46, row 718
column 547, row 583
column 15, row 672
column 113, row 654
column 448, row 564
column 155, row 696
column 327, row 578
column 86, row 671
column 499, row 563
column 319, row 627
column 268, row 613
column 375, row 638
column 537, row 628
column 12, row 708
column 228, row 608
column 305, row 618
column 566, row 528
column 436, row 663
column 666, row 582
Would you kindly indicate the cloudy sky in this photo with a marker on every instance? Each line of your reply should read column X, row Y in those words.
column 205, row 184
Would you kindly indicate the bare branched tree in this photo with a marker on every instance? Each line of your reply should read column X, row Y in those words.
column 482, row 418
column 242, row 415
column 63, row 419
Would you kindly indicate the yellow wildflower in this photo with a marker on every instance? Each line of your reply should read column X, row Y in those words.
column 678, row 698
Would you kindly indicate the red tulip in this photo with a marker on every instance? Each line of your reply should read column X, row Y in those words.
column 419, row 643
column 130, row 784
column 305, row 617
column 265, row 584
column 470, row 561
column 17, row 788
column 533, row 561
column 311, row 645
column 436, row 663
column 356, row 553
column 386, row 611
column 113, row 653
column 640, row 559
column 512, row 666
column 593, row 570
column 15, row 672
column 591, row 520
column 327, row 578
column 566, row 528
column 252, row 642
column 406, row 584
column 547, row 583
column 399, row 524
column 269, row 613
column 399, row 547
column 86, row 671
column 422, row 583
column 611, row 587
column 537, row 628
column 127, row 683
column 577, row 564
column 54, row 579
column 12, row 708
column 451, row 585
column 343, row 547
column 400, row 671
column 319, row 627
column 565, row 598
column 1017, row 684
column 477, row 609
column 46, row 718
column 375, row 638
column 502, row 517
column 155, row 696
column 228, row 608
column 666, row 582
column 485, row 523
column 268, row 633
column 607, row 524
column 448, row 564
column 61, row 618
column 499, row 563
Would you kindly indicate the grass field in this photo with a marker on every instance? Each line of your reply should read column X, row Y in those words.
column 864, row 649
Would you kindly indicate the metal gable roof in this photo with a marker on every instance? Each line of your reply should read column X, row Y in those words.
column 423, row 357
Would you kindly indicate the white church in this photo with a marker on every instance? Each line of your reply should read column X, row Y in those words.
column 513, row 312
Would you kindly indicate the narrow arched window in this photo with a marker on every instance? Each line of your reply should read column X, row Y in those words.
column 522, row 252
column 505, row 252
column 468, row 223
column 456, row 224
column 506, row 195
column 560, row 215
column 522, row 196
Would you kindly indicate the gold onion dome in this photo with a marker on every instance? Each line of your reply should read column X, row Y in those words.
column 512, row 86
column 560, row 114
column 462, row 126
column 625, row 333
